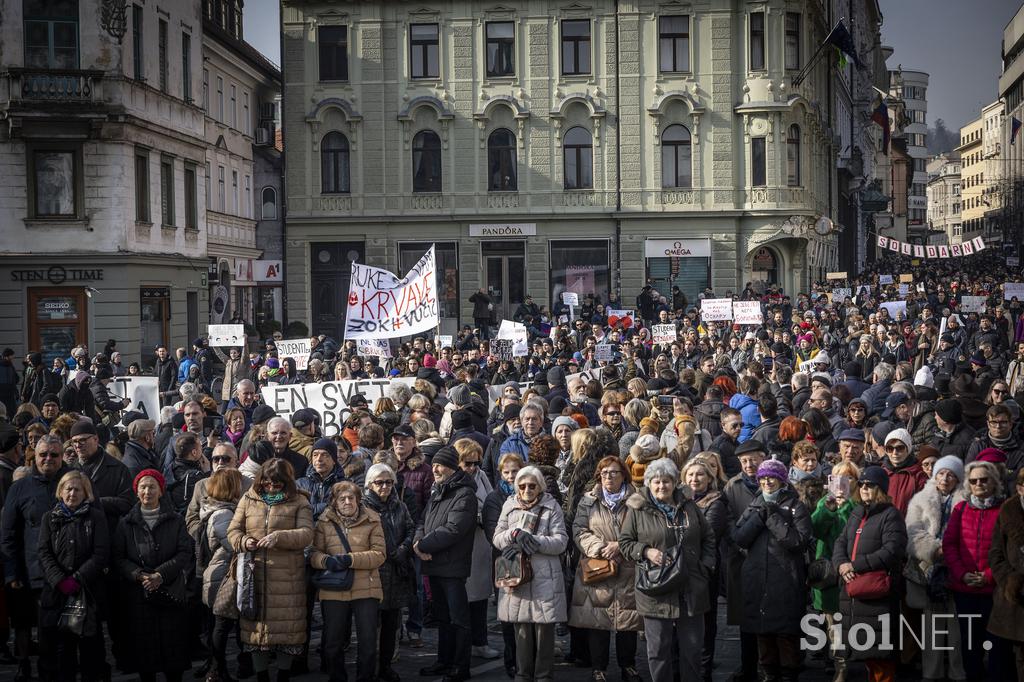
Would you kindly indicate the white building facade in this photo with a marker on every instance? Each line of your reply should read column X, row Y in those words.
column 944, row 200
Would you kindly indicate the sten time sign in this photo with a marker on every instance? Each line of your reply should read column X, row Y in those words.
column 57, row 275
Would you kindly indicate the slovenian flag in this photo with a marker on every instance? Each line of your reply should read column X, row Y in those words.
column 1014, row 129
column 880, row 115
column 841, row 39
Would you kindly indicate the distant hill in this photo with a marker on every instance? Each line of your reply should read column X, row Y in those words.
column 941, row 139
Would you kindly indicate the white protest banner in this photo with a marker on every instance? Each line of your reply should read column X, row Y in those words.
column 841, row 293
column 716, row 309
column 747, row 312
column 835, row 275
column 883, row 242
column 628, row 317
column 664, row 333
column 381, row 306
column 931, row 251
column 297, row 349
column 143, row 391
column 373, row 348
column 570, row 298
column 978, row 243
column 943, row 251
column 1013, row 290
column 502, row 348
column 445, row 341
column 517, row 333
column 1012, row 262
column 897, row 309
column 904, row 289
column 329, row 399
column 231, row 335
column 604, row 352
column 973, row 304
column 885, row 279
column 918, row 251
column 894, row 245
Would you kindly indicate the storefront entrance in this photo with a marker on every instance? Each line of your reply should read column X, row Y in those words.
column 505, row 275
column 57, row 321
column 154, row 322
column 331, row 272
column 765, row 267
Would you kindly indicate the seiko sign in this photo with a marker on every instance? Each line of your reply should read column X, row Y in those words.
column 677, row 248
column 500, row 230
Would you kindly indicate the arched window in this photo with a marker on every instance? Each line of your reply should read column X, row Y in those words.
column 676, row 166
column 426, row 162
column 793, row 156
column 334, row 158
column 501, row 162
column 579, row 159
column 269, row 203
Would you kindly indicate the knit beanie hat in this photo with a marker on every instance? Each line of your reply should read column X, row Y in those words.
column 773, row 468
column 950, row 463
column 564, row 421
column 329, row 445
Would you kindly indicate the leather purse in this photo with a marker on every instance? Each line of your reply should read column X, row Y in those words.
column 870, row 585
column 511, row 573
column 597, row 570
column 336, row 581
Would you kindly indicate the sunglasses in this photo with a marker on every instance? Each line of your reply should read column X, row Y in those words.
column 383, row 483
column 221, row 459
column 977, row 481
column 527, row 486
column 895, row 448
column 866, row 484
column 999, row 391
column 612, row 414
column 472, row 463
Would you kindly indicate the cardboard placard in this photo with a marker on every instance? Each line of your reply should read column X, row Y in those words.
column 664, row 333
column 716, row 309
column 907, row 279
column 570, row 298
column 226, row 335
column 296, row 349
column 835, row 275
column 747, row 312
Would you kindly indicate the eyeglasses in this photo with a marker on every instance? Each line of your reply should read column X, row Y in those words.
column 977, row 481
column 895, row 448
column 49, row 455
column 611, row 474
column 472, row 462
column 527, row 486
column 221, row 459
column 80, row 442
column 383, row 483
column 999, row 422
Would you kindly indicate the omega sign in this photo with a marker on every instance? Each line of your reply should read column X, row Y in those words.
column 677, row 248
column 57, row 275
column 499, row 230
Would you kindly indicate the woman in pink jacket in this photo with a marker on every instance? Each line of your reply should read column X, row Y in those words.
column 965, row 546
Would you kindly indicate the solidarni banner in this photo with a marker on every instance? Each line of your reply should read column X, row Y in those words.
column 381, row 306
column 954, row 250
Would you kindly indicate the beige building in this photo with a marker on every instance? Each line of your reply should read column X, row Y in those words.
column 547, row 147
column 972, row 173
column 944, row 200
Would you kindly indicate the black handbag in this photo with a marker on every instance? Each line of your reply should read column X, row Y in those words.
column 168, row 595
column 821, row 574
column 670, row 576
column 73, row 615
column 335, row 581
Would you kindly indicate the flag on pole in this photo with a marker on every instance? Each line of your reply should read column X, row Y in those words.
column 880, row 115
column 841, row 39
column 1014, row 129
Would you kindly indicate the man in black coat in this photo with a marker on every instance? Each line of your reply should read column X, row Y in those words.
column 111, row 484
column 27, row 502
column 725, row 444
column 444, row 543
column 952, row 435
column 204, row 361
column 138, row 451
column 166, row 370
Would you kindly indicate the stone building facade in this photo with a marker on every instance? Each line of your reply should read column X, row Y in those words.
column 552, row 146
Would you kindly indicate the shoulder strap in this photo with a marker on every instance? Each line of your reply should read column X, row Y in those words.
column 341, row 536
column 856, row 540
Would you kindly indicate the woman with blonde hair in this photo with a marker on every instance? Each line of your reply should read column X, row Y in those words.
column 341, row 371
column 714, row 463
column 633, row 415
column 223, row 490
column 586, row 452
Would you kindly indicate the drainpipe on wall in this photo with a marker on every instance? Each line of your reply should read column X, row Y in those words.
column 618, row 164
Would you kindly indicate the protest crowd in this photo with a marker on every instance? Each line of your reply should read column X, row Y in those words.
column 854, row 453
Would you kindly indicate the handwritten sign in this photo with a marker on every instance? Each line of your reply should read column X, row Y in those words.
column 373, row 348
column 1013, row 290
column 329, row 399
column 716, row 309
column 907, row 278
column 381, row 306
column 570, row 298
column 445, row 341
column 885, row 279
column 227, row 335
column 973, row 304
column 144, row 393
column 664, row 333
column 297, row 349
column 747, row 312
column 604, row 352
column 841, row 292
column 502, row 348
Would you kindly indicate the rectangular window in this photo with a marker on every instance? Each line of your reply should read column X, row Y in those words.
column 55, row 177
column 220, row 99
column 51, row 34
column 758, row 162
column 674, row 43
column 220, row 190
column 234, row 192
column 167, row 191
column 247, row 207
column 206, row 90
column 191, row 203
column 138, row 70
column 332, row 42
column 186, row 67
column 575, row 47
column 793, row 41
column 578, row 266
column 757, row 41
column 233, row 108
column 142, row 186
column 423, row 51
column 246, row 122
column 162, row 54
column 501, row 49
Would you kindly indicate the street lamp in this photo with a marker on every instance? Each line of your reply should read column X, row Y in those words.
column 114, row 18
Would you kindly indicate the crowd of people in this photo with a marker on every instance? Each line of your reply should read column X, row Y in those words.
column 837, row 462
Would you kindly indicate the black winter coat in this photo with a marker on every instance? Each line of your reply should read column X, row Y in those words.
column 448, row 527
column 396, row 573
column 111, row 485
column 956, row 443
column 156, row 634
column 776, row 538
column 167, row 374
column 186, row 475
column 138, row 457
column 75, row 545
column 27, row 502
column 8, row 386
column 491, row 512
column 102, row 400
column 882, row 547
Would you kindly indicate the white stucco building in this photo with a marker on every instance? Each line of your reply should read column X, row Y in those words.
column 944, row 200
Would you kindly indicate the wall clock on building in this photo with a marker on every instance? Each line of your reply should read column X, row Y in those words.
column 824, row 226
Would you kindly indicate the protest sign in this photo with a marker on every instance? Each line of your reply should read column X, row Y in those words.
column 835, row 275
column 373, row 348
column 904, row 289
column 297, row 349
column 1013, row 290
column 907, row 278
column 381, row 306
column 973, row 304
column 716, row 309
column 515, row 332
column 570, row 298
column 897, row 309
column 502, row 348
column 885, row 279
column 664, row 333
column 604, row 352
column 747, row 312
column 329, row 399
column 226, row 335
column 144, row 393
column 1012, row 262
column 839, row 293
column 614, row 315
column 445, row 341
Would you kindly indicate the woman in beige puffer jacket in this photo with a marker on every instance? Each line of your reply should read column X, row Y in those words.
column 274, row 523
column 366, row 551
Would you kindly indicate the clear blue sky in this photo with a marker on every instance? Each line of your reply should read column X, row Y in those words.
column 956, row 41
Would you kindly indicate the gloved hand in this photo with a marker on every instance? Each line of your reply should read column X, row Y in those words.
column 345, row 560
column 526, row 542
column 510, row 552
column 69, row 586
